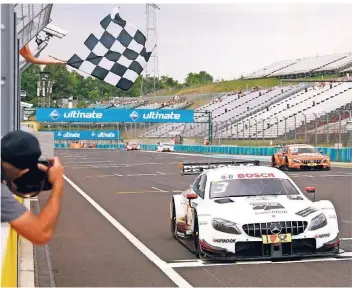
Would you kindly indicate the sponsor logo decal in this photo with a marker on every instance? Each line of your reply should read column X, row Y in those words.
column 294, row 197
column 77, row 114
column 224, row 177
column 267, row 206
column 275, row 228
column 203, row 215
column 224, row 240
column 203, row 223
column 322, row 235
column 54, row 115
column 332, row 216
column 256, row 175
column 106, row 135
column 162, row 115
column 271, row 212
column 202, row 167
column 59, row 134
column 134, row 116
column 71, row 135
column 182, row 235
column 306, row 212
column 261, row 198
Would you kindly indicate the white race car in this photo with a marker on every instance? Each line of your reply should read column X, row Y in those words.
column 132, row 146
column 169, row 147
column 248, row 212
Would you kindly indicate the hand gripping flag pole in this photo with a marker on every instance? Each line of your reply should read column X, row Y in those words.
column 115, row 53
column 27, row 54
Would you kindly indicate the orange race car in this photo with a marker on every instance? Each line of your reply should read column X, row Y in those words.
column 300, row 156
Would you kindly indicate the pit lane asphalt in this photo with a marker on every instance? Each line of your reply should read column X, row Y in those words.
column 135, row 188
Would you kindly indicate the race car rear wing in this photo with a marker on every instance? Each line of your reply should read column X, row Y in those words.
column 197, row 168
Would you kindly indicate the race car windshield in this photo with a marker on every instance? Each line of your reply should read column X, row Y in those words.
column 251, row 187
column 302, row 150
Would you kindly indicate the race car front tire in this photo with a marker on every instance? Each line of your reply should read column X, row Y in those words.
column 273, row 162
column 173, row 219
column 196, row 243
column 286, row 165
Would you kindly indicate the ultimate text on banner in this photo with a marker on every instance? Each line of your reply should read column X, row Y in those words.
column 114, row 115
column 87, row 135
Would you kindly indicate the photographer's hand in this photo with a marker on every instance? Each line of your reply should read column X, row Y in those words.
column 55, row 172
column 39, row 229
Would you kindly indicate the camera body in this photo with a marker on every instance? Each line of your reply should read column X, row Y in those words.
column 46, row 184
column 33, row 182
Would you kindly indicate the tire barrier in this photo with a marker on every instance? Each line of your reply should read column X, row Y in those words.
column 335, row 154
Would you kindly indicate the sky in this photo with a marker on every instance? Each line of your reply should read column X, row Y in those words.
column 226, row 40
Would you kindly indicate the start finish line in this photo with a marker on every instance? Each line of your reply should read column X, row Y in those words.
column 114, row 115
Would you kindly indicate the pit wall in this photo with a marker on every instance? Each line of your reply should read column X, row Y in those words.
column 10, row 253
column 336, row 155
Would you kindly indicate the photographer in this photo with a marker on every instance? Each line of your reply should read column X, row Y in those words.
column 23, row 175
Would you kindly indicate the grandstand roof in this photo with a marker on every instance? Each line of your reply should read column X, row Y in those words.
column 304, row 66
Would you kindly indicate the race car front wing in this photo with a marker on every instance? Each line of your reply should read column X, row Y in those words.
column 251, row 250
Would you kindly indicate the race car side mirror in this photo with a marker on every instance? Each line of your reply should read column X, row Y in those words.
column 311, row 190
column 191, row 196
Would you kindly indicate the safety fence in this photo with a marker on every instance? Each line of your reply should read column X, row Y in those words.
column 318, row 129
column 11, row 255
column 335, row 154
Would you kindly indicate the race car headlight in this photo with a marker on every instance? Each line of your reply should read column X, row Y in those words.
column 296, row 161
column 318, row 222
column 225, row 226
column 325, row 160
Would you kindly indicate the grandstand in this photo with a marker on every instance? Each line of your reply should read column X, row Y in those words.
column 300, row 68
column 227, row 109
column 290, row 113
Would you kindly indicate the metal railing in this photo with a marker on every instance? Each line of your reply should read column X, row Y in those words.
column 316, row 129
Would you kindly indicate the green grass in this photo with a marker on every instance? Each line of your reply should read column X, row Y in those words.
column 232, row 85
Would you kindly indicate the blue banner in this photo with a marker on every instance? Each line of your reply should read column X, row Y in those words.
column 114, row 115
column 87, row 135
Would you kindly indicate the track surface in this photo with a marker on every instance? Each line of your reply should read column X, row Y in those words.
column 135, row 189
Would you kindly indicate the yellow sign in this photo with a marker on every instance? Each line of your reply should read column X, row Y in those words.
column 279, row 238
column 312, row 164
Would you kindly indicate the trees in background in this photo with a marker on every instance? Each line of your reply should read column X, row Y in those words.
column 70, row 83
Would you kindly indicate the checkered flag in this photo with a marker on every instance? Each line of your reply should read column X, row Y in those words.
column 115, row 53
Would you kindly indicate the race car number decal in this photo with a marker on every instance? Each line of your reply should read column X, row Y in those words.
column 267, row 206
column 256, row 175
column 220, row 187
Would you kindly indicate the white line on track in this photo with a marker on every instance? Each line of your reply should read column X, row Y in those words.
column 162, row 265
column 157, row 189
column 345, row 221
column 200, row 263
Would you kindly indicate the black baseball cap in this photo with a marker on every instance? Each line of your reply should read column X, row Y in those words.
column 21, row 149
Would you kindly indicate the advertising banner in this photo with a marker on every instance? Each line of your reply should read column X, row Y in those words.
column 87, row 135
column 114, row 115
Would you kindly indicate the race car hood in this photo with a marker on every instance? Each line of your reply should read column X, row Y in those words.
column 261, row 209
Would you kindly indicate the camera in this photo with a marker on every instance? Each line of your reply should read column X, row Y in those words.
column 33, row 182
column 54, row 31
